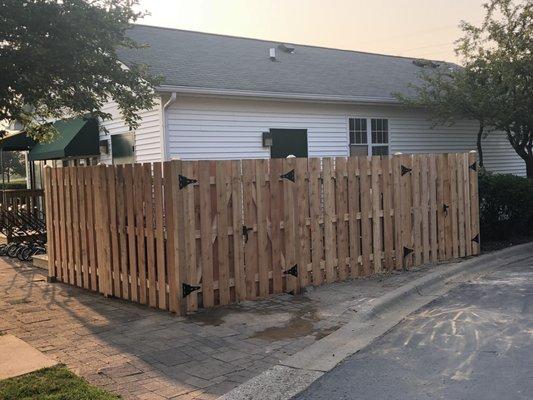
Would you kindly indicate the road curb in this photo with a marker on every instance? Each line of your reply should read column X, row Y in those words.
column 370, row 322
column 456, row 269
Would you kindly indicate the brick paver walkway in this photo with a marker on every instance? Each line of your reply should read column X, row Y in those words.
column 142, row 353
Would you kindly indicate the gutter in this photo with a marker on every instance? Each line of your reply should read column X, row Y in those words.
column 164, row 129
column 278, row 95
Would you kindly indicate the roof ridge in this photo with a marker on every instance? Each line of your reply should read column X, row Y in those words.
column 279, row 42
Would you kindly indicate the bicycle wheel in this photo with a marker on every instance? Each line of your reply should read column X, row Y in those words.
column 13, row 250
column 25, row 254
column 3, row 249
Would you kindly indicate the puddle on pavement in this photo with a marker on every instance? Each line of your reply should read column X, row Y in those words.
column 300, row 324
column 268, row 323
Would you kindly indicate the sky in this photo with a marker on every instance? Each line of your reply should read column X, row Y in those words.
column 412, row 28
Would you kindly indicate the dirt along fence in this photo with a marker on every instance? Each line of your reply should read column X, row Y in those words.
column 181, row 235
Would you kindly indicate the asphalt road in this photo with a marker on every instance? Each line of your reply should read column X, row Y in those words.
column 475, row 342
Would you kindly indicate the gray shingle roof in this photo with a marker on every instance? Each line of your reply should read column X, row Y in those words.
column 202, row 60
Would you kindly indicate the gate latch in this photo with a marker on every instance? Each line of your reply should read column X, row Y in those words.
column 245, row 231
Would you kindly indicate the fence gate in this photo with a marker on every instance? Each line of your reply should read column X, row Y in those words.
column 180, row 235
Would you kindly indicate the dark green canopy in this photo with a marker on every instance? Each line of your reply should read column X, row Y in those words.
column 17, row 142
column 77, row 137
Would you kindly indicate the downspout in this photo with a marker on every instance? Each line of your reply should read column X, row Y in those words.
column 164, row 135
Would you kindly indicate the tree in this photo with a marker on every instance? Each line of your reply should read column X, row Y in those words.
column 497, row 76
column 14, row 164
column 59, row 57
column 450, row 93
column 502, row 49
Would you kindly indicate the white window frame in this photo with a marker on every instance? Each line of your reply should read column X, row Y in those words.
column 369, row 143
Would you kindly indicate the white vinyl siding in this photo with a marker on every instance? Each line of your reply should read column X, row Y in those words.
column 225, row 128
column 147, row 137
column 416, row 135
column 228, row 129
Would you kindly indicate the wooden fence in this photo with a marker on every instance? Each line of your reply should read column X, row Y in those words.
column 180, row 235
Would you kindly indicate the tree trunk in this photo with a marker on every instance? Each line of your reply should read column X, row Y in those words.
column 529, row 167
column 479, row 147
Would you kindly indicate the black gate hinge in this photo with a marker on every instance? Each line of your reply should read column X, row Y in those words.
column 406, row 251
column 289, row 175
column 188, row 289
column 476, row 239
column 245, row 231
column 184, row 181
column 405, row 170
column 473, row 167
column 292, row 271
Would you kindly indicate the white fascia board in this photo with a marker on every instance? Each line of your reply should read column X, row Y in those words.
column 319, row 98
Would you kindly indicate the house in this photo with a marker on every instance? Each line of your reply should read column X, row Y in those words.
column 228, row 97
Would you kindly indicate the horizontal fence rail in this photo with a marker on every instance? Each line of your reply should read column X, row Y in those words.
column 181, row 235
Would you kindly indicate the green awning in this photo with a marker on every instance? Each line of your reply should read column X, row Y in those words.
column 77, row 137
column 17, row 142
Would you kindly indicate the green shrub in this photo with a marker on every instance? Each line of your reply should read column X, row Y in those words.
column 505, row 206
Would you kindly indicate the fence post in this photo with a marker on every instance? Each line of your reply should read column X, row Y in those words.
column 474, row 201
column 49, row 222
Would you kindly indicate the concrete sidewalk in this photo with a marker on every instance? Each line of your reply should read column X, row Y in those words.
column 143, row 353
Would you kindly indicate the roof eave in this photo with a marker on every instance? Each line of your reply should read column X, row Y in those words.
column 322, row 98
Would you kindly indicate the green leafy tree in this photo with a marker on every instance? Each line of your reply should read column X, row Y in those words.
column 14, row 164
column 450, row 93
column 495, row 85
column 502, row 49
column 59, row 57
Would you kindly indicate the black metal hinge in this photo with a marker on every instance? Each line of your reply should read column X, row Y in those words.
column 445, row 208
column 406, row 251
column 405, row 170
column 188, row 289
column 245, row 231
column 289, row 175
column 184, row 181
column 292, row 271
column 476, row 239
column 473, row 167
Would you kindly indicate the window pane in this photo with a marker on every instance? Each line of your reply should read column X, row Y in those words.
column 358, row 150
column 357, row 130
column 380, row 150
column 380, row 130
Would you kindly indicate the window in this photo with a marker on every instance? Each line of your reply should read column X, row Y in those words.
column 369, row 136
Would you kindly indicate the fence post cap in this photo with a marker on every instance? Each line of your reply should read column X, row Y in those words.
column 473, row 151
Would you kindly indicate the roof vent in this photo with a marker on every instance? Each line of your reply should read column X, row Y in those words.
column 286, row 48
column 425, row 63
column 273, row 54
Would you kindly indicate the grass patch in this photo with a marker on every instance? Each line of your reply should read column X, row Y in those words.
column 56, row 383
